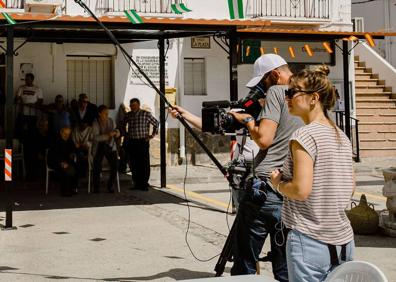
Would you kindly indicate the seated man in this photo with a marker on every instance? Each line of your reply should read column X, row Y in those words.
column 60, row 118
column 104, row 145
column 61, row 159
column 84, row 111
column 81, row 137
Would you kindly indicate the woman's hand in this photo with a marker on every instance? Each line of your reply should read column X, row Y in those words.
column 276, row 177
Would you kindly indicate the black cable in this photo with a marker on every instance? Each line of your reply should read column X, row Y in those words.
column 189, row 219
column 28, row 22
column 362, row 2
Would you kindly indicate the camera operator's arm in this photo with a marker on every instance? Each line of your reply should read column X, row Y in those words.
column 263, row 134
column 189, row 117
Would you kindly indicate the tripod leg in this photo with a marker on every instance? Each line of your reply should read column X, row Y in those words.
column 226, row 252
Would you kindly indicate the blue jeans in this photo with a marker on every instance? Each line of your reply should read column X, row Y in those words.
column 309, row 259
column 254, row 221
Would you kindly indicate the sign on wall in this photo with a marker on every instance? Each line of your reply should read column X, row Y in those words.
column 200, row 42
column 150, row 65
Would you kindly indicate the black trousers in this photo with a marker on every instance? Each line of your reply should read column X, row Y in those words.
column 104, row 150
column 68, row 179
column 139, row 157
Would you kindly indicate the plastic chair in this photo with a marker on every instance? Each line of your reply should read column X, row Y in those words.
column 356, row 271
column 90, row 170
column 17, row 153
column 47, row 171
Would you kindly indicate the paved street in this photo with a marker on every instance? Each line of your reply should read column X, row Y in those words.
column 140, row 236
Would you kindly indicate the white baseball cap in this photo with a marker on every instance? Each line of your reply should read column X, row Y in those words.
column 263, row 65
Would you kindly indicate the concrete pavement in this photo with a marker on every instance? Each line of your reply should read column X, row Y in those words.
column 136, row 235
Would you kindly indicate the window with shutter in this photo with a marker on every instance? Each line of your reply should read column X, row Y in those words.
column 194, row 76
column 92, row 75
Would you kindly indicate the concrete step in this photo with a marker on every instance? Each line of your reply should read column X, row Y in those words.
column 366, row 82
column 375, row 103
column 363, row 70
column 369, row 95
column 376, row 126
column 360, row 64
column 376, row 117
column 377, row 143
column 378, row 153
column 371, row 88
column 384, row 109
column 381, row 134
column 359, row 76
column 374, row 98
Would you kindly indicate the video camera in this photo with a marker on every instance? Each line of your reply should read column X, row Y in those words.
column 216, row 118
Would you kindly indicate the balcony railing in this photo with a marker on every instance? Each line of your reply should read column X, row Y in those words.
column 300, row 9
column 141, row 6
column 14, row 4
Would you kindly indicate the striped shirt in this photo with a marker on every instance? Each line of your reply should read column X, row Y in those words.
column 137, row 125
column 322, row 215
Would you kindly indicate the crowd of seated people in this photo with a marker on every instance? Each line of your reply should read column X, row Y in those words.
column 63, row 135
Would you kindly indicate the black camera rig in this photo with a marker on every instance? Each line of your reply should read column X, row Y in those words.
column 215, row 114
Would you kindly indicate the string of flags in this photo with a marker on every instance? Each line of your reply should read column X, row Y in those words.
column 8, row 18
column 180, row 8
column 307, row 48
column 235, row 8
column 134, row 17
column 290, row 49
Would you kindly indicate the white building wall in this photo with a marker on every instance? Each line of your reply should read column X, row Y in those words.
column 380, row 16
column 49, row 60
column 49, row 67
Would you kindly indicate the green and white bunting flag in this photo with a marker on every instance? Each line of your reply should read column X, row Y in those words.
column 8, row 18
column 179, row 8
column 133, row 16
column 236, row 9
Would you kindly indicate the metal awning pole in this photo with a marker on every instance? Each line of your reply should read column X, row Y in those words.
column 162, row 112
column 345, row 56
column 233, row 60
column 8, row 120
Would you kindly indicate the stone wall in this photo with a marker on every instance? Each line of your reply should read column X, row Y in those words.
column 219, row 145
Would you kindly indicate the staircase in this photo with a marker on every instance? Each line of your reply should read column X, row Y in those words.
column 376, row 112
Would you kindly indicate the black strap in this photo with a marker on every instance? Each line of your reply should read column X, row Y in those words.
column 343, row 252
column 333, row 254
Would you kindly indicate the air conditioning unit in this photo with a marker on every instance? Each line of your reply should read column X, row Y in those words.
column 42, row 6
column 358, row 24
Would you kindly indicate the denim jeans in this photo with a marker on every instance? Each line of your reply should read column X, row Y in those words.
column 254, row 222
column 308, row 259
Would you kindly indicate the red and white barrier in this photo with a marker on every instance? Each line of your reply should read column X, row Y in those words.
column 8, row 164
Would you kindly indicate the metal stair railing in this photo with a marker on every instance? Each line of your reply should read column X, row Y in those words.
column 353, row 130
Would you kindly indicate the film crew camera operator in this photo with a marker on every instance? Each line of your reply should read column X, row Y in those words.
column 260, row 210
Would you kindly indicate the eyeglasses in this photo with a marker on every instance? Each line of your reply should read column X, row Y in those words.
column 289, row 93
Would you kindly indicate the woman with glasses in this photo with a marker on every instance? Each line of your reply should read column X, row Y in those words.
column 317, row 182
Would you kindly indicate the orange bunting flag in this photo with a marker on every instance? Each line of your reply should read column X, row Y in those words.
column 291, row 51
column 327, row 46
column 276, row 50
column 247, row 51
column 308, row 49
column 369, row 39
column 262, row 51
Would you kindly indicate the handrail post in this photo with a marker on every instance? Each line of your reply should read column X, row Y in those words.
column 357, row 142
